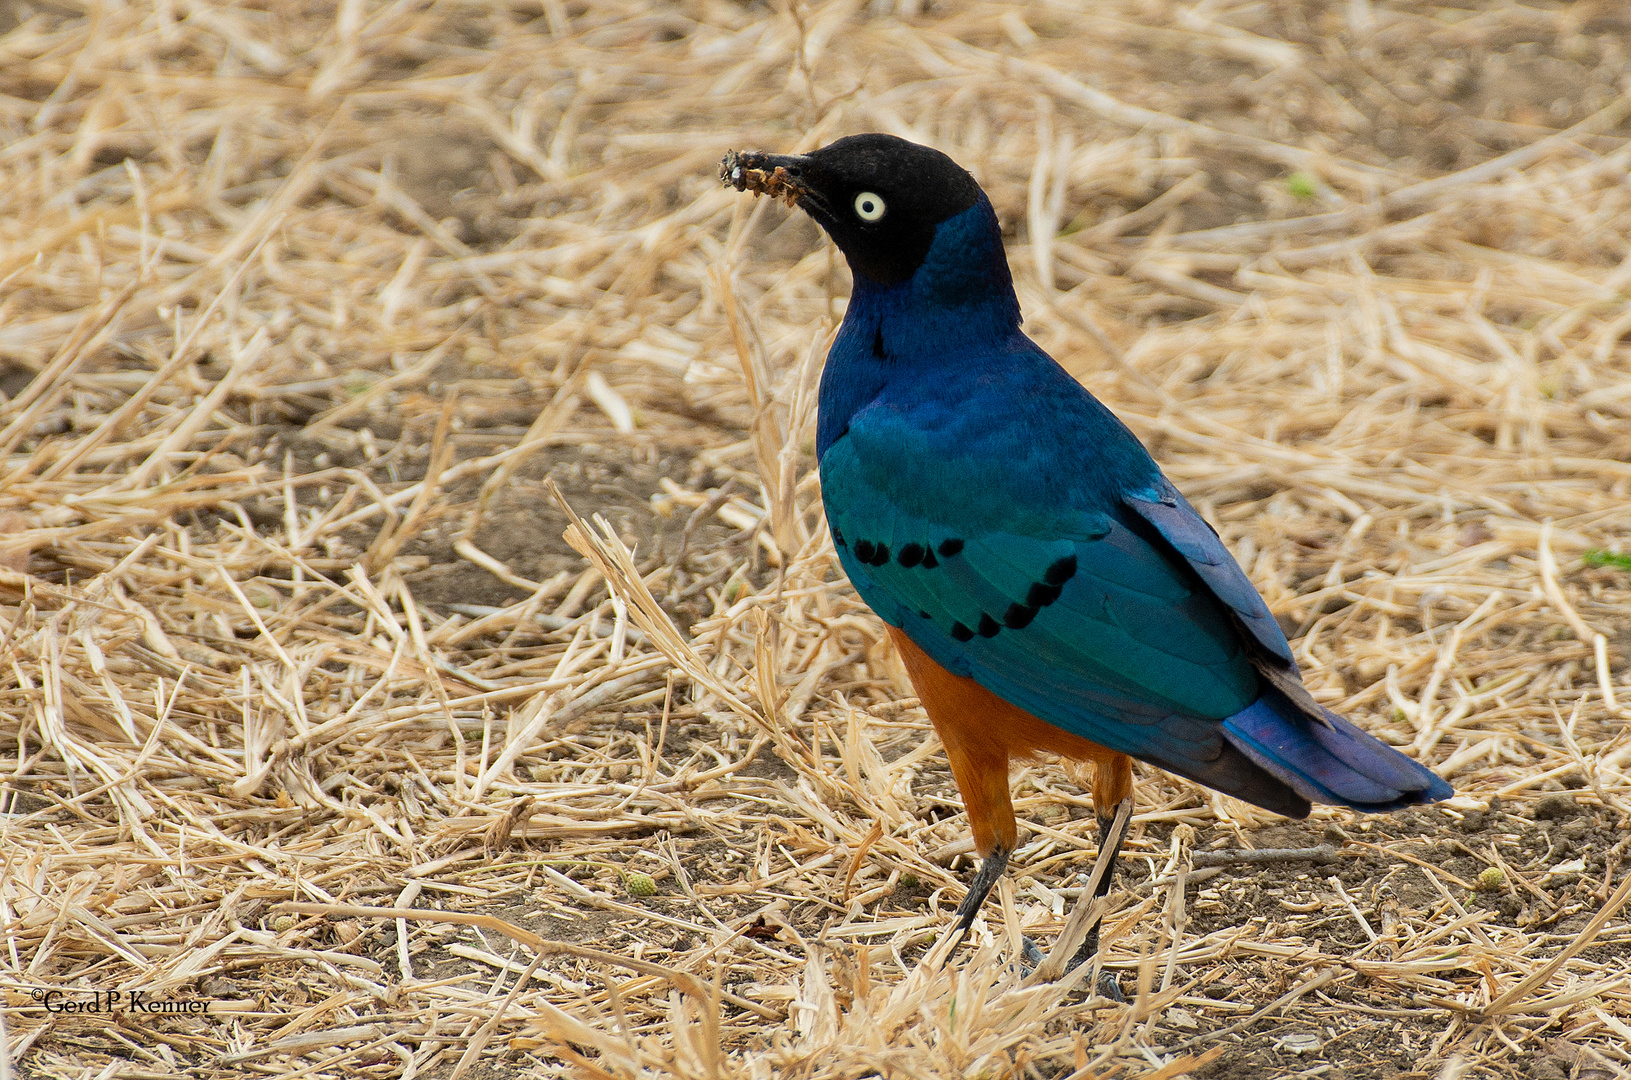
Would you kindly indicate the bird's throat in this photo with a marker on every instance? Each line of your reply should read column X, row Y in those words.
column 956, row 312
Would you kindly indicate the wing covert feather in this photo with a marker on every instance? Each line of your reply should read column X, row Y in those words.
column 1190, row 535
column 1090, row 627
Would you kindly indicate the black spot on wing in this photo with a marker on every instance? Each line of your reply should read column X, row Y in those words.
column 910, row 555
column 837, row 537
column 1018, row 616
column 1040, row 595
column 929, row 561
column 871, row 554
column 1047, row 590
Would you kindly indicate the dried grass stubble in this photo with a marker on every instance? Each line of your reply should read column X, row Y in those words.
column 231, row 704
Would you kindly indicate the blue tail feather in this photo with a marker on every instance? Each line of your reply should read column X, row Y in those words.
column 1334, row 763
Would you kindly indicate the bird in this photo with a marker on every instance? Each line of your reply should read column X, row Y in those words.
column 1048, row 589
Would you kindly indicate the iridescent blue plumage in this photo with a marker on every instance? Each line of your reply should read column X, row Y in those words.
column 986, row 504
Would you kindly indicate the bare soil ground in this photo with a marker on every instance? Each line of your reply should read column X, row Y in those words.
column 425, row 653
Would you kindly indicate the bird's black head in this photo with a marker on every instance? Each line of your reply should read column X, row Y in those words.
column 877, row 196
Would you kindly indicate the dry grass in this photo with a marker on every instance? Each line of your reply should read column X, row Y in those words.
column 309, row 315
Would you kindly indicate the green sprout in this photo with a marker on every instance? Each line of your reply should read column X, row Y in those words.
column 1600, row 557
column 1303, row 184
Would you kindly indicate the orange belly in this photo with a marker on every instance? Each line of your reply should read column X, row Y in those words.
column 982, row 733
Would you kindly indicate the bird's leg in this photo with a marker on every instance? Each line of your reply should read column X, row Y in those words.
column 985, row 879
column 1110, row 838
column 960, row 710
column 1112, row 801
column 979, row 889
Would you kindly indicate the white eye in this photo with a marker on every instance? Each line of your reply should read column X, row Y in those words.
column 868, row 207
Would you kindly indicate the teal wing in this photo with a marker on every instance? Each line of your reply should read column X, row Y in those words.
column 1077, row 611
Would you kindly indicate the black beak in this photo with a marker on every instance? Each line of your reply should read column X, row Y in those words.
column 781, row 176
